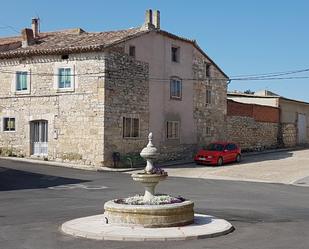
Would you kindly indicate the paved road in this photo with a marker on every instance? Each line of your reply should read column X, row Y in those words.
column 286, row 167
column 36, row 199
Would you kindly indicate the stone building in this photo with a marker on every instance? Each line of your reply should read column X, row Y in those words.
column 80, row 96
column 293, row 115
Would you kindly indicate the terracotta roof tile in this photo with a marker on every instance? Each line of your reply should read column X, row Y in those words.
column 75, row 40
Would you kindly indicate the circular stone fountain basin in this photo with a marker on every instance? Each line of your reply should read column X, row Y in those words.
column 166, row 215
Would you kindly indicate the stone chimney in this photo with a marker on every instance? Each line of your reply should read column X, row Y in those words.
column 35, row 27
column 27, row 37
column 156, row 19
column 148, row 25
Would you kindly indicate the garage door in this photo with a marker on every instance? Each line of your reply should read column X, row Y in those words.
column 302, row 128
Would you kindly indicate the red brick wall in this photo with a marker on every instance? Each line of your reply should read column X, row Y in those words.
column 260, row 113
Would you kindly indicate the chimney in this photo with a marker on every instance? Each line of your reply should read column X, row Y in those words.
column 156, row 19
column 148, row 16
column 27, row 37
column 148, row 21
column 35, row 27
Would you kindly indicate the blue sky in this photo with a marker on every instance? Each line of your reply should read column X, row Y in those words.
column 241, row 36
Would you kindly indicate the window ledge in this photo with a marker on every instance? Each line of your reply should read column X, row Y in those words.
column 176, row 98
column 131, row 138
column 64, row 90
column 22, row 92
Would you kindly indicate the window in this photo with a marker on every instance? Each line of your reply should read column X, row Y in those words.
column 175, row 89
column 208, row 96
column 175, row 54
column 208, row 131
column 172, row 129
column 8, row 124
column 65, row 78
column 231, row 147
column 65, row 57
column 132, row 51
column 21, row 81
column 130, row 127
column 207, row 70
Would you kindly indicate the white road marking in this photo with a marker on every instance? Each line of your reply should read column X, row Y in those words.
column 78, row 186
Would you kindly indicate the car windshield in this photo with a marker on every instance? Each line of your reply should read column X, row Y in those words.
column 215, row 147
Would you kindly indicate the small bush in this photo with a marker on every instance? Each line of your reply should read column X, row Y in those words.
column 72, row 157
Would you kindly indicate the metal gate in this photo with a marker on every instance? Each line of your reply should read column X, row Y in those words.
column 39, row 137
column 302, row 128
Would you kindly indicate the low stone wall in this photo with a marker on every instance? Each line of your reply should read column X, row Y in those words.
column 289, row 134
column 250, row 134
column 179, row 152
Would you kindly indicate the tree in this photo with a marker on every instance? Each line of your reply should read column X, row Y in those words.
column 249, row 91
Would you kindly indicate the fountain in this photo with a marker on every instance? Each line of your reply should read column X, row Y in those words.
column 150, row 210
column 150, row 216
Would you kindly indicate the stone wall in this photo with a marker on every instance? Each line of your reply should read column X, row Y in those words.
column 126, row 95
column 75, row 118
column 289, row 134
column 250, row 134
column 208, row 116
column 253, row 127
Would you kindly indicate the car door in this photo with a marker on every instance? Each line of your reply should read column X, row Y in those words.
column 232, row 151
column 225, row 154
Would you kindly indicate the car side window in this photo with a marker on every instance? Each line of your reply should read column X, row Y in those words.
column 231, row 147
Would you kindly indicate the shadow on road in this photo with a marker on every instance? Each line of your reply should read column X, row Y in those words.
column 12, row 179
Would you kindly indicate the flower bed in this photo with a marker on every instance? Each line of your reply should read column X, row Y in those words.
column 157, row 200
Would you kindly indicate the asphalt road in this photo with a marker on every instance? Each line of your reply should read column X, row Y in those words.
column 36, row 199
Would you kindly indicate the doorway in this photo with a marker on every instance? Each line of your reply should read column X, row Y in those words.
column 39, row 137
column 302, row 128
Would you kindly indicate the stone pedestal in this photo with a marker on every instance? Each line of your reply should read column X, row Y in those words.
column 149, row 182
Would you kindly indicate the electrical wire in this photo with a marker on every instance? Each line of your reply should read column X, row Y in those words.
column 115, row 74
column 9, row 27
column 272, row 74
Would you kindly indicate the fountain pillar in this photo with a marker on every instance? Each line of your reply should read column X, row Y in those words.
column 151, row 176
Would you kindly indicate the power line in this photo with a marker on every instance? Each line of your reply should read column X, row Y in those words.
column 111, row 75
column 10, row 27
column 272, row 74
column 276, row 78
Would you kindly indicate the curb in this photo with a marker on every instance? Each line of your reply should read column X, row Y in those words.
column 92, row 227
column 50, row 163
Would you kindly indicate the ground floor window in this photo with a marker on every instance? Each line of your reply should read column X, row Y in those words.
column 130, row 127
column 208, row 131
column 172, row 129
column 8, row 124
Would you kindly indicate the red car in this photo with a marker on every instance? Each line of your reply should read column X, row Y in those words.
column 218, row 153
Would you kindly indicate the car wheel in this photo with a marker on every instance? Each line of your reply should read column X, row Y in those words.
column 220, row 161
column 238, row 158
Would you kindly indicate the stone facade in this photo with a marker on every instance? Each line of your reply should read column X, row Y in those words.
column 289, row 134
column 209, row 117
column 126, row 95
column 83, row 123
column 251, row 135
